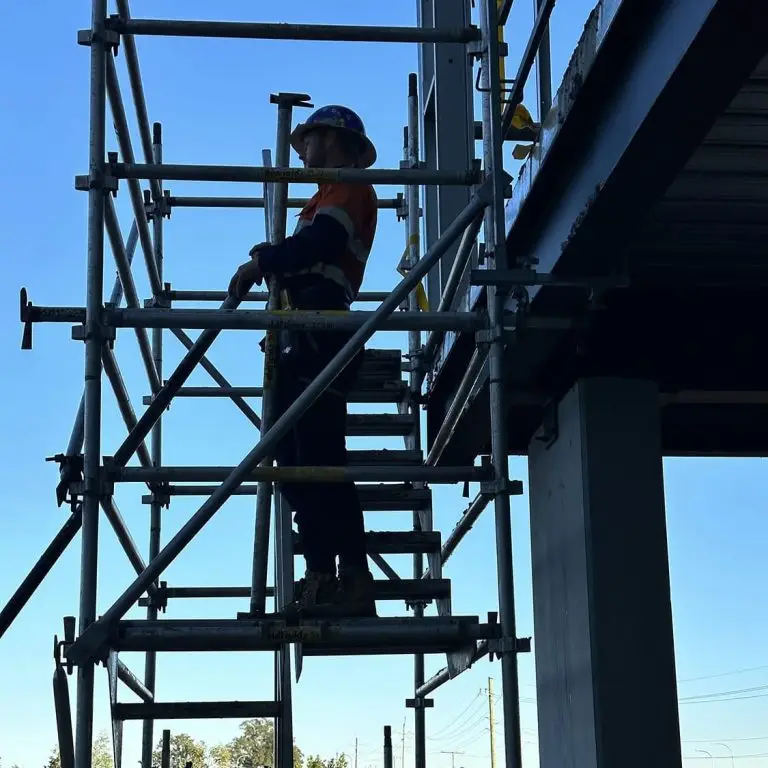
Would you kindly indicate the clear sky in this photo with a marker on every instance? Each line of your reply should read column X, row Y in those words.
column 212, row 98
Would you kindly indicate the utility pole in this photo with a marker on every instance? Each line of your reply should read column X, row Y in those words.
column 493, row 722
column 402, row 747
column 453, row 756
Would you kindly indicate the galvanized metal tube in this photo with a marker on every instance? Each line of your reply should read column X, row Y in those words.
column 494, row 130
column 295, row 320
column 75, row 445
column 129, row 288
column 134, row 188
column 63, row 710
column 137, row 90
column 156, row 443
column 276, row 217
column 258, row 296
column 258, row 202
column 125, row 538
column 384, row 473
column 165, row 756
column 543, row 67
column 247, row 173
column 40, row 570
column 515, row 96
column 134, row 683
column 282, row 31
column 219, row 378
column 93, row 343
column 443, row 676
column 468, row 519
column 87, row 645
column 197, row 710
column 165, row 395
column 123, row 399
column 457, row 407
column 463, row 254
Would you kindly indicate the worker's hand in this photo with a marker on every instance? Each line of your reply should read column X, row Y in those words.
column 254, row 252
column 243, row 280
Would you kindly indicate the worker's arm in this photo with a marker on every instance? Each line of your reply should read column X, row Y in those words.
column 324, row 240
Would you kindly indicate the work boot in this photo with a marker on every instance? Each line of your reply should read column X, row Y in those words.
column 313, row 591
column 355, row 596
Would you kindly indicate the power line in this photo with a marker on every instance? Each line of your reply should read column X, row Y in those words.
column 723, row 674
column 461, row 714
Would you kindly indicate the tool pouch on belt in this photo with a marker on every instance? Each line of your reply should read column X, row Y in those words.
column 306, row 352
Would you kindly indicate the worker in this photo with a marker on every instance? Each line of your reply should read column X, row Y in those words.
column 321, row 267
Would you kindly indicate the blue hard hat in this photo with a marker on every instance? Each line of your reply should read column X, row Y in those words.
column 342, row 119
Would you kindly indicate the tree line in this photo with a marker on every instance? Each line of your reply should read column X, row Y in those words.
column 252, row 748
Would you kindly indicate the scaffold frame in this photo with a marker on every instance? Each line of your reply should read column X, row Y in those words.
column 458, row 203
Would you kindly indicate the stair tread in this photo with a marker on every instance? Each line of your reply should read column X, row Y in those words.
column 392, row 542
column 380, row 424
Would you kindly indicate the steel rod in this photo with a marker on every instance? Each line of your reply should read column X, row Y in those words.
column 63, row 711
column 125, row 538
column 180, row 635
column 463, row 254
column 462, row 528
column 386, row 568
column 75, row 445
column 443, row 676
column 156, row 444
column 93, row 343
column 295, row 320
column 140, row 103
column 123, row 399
column 364, row 296
column 40, row 570
column 182, row 710
column 515, row 96
column 494, row 130
column 134, row 683
column 219, row 378
column 134, row 188
column 458, row 406
column 391, row 203
column 282, row 31
column 87, row 645
column 125, row 277
column 257, row 174
column 543, row 67
column 358, row 474
column 165, row 395
column 388, row 747
column 276, row 216
column 165, row 756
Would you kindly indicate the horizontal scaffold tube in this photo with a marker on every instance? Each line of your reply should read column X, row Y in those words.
column 302, row 474
column 364, row 296
column 281, row 31
column 258, row 202
column 258, row 174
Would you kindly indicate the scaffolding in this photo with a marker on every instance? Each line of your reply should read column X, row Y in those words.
column 460, row 197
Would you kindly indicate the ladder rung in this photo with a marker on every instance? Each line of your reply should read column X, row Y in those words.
column 195, row 710
column 379, row 424
column 392, row 542
column 432, row 634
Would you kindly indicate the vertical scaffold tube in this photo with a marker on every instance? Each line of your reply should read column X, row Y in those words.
column 92, row 412
column 496, row 247
column 156, row 445
column 264, row 494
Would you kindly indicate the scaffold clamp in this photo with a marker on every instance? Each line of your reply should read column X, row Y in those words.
column 107, row 37
column 419, row 703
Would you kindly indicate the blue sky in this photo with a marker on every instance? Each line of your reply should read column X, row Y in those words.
column 212, row 98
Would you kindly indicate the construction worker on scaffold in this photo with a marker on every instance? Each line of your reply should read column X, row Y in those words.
column 321, row 267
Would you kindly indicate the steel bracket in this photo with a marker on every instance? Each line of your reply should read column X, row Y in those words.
column 60, row 646
column 161, row 301
column 106, row 333
column 489, row 335
column 160, row 494
column 99, row 179
column 70, row 473
column 108, row 38
column 160, row 598
column 503, row 646
column 161, row 207
column 419, row 703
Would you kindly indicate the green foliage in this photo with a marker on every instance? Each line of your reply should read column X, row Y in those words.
column 54, row 761
column 339, row 761
column 102, row 752
column 184, row 749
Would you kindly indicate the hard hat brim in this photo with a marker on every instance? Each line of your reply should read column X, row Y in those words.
column 367, row 156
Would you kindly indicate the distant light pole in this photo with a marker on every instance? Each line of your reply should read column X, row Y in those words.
column 721, row 744
column 708, row 754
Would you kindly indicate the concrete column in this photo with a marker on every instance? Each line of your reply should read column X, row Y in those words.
column 605, row 665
